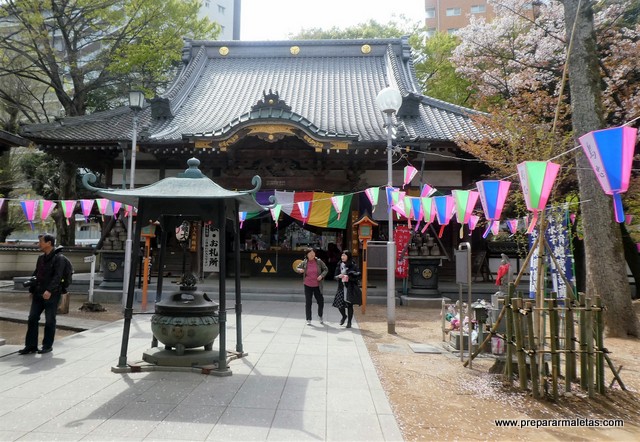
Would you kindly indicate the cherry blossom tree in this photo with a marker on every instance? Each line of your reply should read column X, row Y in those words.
column 517, row 64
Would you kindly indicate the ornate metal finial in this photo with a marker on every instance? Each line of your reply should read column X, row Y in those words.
column 271, row 100
column 192, row 171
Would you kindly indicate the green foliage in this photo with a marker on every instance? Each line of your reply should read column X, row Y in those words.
column 101, row 48
column 43, row 173
column 435, row 71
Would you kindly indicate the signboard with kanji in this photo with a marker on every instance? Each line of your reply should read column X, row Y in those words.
column 210, row 249
column 402, row 236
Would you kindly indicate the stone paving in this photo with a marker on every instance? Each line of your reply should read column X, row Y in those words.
column 297, row 382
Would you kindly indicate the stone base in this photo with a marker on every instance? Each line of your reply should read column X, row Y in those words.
column 423, row 302
column 427, row 293
column 190, row 358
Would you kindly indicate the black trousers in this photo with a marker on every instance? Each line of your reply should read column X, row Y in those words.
column 50, row 308
column 315, row 292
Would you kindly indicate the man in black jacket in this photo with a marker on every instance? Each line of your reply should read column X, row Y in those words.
column 45, row 296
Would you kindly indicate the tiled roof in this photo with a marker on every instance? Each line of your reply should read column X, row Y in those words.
column 330, row 87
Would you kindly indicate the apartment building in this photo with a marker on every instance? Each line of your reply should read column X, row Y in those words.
column 226, row 13
column 451, row 15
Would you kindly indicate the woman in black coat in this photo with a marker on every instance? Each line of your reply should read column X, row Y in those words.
column 349, row 293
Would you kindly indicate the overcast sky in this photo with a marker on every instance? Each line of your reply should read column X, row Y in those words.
column 276, row 19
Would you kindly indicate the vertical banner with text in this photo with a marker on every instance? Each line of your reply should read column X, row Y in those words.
column 210, row 249
column 402, row 236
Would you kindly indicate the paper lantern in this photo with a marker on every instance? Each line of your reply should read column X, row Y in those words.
column 416, row 210
column 304, row 206
column 242, row 216
column 537, row 179
column 409, row 173
column 428, row 212
column 338, row 202
column 275, row 213
column 389, row 191
column 103, row 205
column 46, row 207
column 427, row 190
column 115, row 207
column 445, row 207
column 512, row 225
column 473, row 222
column 493, row 194
column 29, row 208
column 68, row 206
column 610, row 152
column 373, row 193
column 465, row 203
column 86, row 206
column 397, row 202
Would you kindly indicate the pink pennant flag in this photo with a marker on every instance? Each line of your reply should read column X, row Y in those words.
column 373, row 193
column 303, row 206
column 428, row 212
column 628, row 219
column 1, row 203
column 29, row 208
column 68, row 206
column 46, row 207
column 127, row 210
column 275, row 213
column 397, row 201
column 495, row 228
column 409, row 173
column 86, row 206
column 103, row 206
column 115, row 207
column 512, row 224
column 427, row 191
column 473, row 221
column 338, row 202
column 242, row 216
column 572, row 217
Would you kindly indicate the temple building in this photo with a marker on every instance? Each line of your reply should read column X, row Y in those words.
column 301, row 115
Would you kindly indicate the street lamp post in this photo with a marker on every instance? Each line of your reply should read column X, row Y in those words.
column 389, row 101
column 136, row 102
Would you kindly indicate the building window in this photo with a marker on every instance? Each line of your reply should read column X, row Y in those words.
column 221, row 9
column 452, row 30
column 430, row 32
column 430, row 13
column 206, row 4
column 478, row 9
column 453, row 12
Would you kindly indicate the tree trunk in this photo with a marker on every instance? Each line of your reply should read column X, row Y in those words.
column 632, row 258
column 67, row 233
column 605, row 264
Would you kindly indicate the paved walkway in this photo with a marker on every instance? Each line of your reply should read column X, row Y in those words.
column 298, row 382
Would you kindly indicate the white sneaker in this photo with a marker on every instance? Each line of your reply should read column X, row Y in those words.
column 321, row 321
column 308, row 322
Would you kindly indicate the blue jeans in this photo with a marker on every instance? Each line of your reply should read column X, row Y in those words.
column 50, row 308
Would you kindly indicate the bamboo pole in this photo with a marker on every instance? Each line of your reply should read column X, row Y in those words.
column 600, row 345
column 569, row 346
column 492, row 332
column 616, row 374
column 588, row 319
column 582, row 329
column 540, row 295
column 517, row 326
column 532, row 352
column 554, row 330
column 508, row 303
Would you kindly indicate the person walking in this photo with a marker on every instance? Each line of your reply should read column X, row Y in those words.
column 314, row 271
column 45, row 292
column 348, row 293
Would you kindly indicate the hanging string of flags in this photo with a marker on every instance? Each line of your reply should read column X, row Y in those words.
column 610, row 153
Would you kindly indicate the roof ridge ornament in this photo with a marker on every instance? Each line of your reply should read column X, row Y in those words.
column 271, row 101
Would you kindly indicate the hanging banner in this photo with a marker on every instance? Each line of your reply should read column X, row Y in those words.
column 402, row 236
column 210, row 248
column 558, row 236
